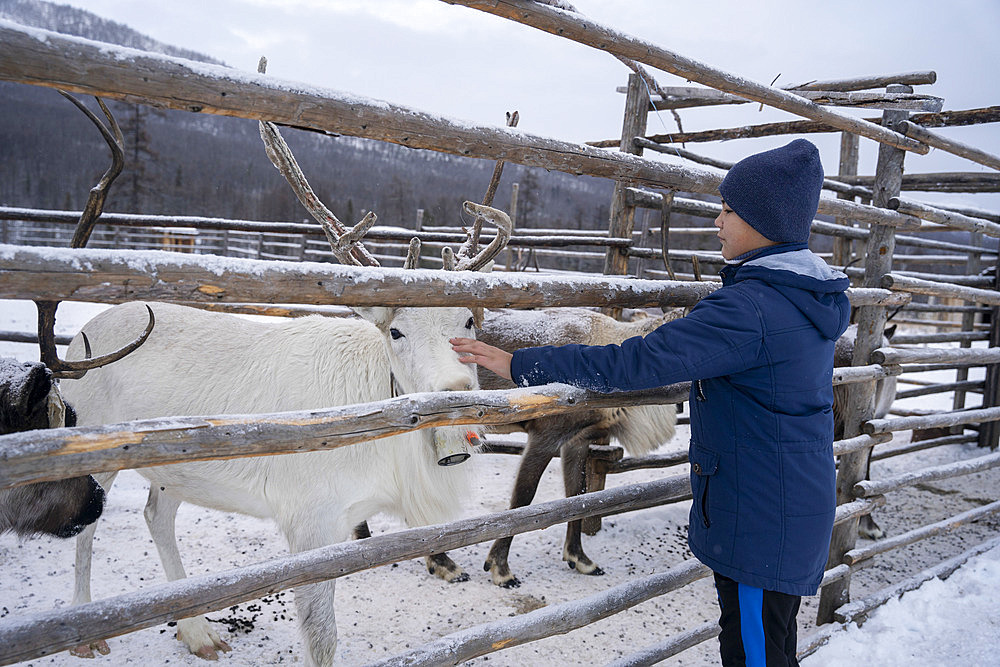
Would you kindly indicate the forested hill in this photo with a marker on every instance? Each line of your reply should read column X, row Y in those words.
column 191, row 164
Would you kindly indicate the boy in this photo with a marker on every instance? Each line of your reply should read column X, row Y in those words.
column 759, row 353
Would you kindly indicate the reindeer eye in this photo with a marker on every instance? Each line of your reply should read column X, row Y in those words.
column 396, row 334
column 470, row 323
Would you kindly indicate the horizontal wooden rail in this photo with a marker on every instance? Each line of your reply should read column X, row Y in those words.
column 957, row 337
column 974, row 386
column 943, row 217
column 895, row 281
column 377, row 233
column 873, row 426
column 685, row 97
column 858, row 442
column 58, row 453
column 924, row 355
column 877, row 487
column 921, row 445
column 115, row 276
column 469, row 643
column 943, row 119
column 857, row 610
column 936, row 140
column 859, row 554
column 657, row 653
column 580, row 29
column 868, row 82
column 29, row 636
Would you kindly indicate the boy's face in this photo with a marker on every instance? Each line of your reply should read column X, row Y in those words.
column 736, row 235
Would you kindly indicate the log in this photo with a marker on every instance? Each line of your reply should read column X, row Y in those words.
column 64, row 452
column 857, row 610
column 888, row 544
column 895, row 281
column 836, row 207
column 580, row 29
column 856, row 508
column 975, row 386
column 868, row 82
column 939, row 182
column 936, row 140
column 34, row 635
column 942, row 119
column 851, row 374
column 965, row 356
column 116, row 276
column 859, row 442
column 873, row 426
column 621, row 220
column 958, row 280
column 483, row 639
column 959, row 336
column 922, row 445
column 523, row 238
column 686, row 98
column 941, row 216
column 657, row 653
column 464, row 645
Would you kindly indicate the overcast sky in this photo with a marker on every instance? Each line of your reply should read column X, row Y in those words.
column 466, row 64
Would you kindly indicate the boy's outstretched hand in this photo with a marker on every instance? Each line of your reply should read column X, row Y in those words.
column 472, row 351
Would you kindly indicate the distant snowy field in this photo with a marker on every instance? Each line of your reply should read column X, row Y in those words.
column 384, row 611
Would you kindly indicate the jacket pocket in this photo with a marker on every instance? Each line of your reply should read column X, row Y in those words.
column 704, row 464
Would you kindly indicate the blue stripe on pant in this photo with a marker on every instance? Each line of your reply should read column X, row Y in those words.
column 758, row 626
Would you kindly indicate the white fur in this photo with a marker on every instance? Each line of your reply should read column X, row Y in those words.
column 198, row 362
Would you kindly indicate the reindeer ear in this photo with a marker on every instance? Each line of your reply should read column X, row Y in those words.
column 478, row 315
column 380, row 316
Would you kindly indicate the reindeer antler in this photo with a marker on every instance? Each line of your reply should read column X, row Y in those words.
column 76, row 369
column 468, row 262
column 84, row 228
column 345, row 243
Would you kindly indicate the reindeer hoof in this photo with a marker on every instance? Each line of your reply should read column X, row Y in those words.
column 460, row 578
column 513, row 582
column 87, row 650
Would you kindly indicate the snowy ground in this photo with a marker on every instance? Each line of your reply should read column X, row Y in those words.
column 384, row 611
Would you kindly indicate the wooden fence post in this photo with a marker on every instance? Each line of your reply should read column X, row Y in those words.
column 843, row 248
column 622, row 218
column 988, row 431
column 871, row 322
column 972, row 267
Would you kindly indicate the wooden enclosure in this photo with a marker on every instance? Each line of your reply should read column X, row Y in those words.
column 948, row 288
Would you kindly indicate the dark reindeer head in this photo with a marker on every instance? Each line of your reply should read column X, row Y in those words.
column 29, row 400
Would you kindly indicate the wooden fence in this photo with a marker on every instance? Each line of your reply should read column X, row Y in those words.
column 864, row 231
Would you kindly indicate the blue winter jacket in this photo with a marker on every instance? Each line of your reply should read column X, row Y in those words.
column 760, row 354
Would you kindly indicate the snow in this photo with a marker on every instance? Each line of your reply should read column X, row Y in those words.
column 385, row 611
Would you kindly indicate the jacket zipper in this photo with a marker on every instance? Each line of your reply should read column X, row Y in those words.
column 701, row 391
column 704, row 505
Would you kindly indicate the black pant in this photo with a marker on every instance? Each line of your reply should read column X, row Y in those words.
column 758, row 626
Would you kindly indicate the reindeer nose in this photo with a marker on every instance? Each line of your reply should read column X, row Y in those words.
column 459, row 385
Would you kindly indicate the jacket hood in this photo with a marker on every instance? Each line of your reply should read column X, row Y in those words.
column 807, row 281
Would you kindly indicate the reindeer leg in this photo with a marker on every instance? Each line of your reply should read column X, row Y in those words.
column 867, row 527
column 542, row 445
column 161, row 514
column 310, row 529
column 84, row 559
column 574, row 462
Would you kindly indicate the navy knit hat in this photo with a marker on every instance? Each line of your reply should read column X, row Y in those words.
column 776, row 192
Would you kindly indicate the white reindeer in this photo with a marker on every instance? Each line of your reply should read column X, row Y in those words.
column 197, row 362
